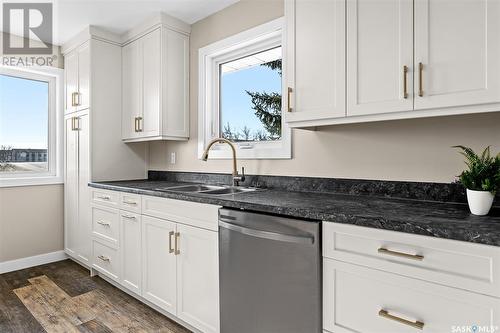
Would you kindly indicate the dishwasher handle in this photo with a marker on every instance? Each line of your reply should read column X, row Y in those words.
column 267, row 234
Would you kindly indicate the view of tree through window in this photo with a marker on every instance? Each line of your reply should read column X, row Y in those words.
column 24, row 110
column 250, row 97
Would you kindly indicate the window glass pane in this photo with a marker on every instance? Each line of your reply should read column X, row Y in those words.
column 24, row 110
column 250, row 97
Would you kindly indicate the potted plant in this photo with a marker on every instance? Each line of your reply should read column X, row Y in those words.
column 481, row 179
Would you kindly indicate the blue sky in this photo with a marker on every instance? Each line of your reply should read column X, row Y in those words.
column 236, row 106
column 23, row 113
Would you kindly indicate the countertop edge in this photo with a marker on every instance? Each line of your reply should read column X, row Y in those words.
column 397, row 225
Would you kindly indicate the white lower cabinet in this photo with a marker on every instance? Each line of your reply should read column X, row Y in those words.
column 378, row 281
column 106, row 259
column 172, row 263
column 131, row 249
column 198, row 277
column 159, row 263
column 368, row 300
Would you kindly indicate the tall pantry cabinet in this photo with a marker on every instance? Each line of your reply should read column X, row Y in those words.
column 93, row 147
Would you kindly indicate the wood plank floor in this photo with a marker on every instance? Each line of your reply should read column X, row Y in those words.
column 61, row 297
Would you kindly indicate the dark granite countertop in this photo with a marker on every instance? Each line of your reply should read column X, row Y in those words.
column 429, row 218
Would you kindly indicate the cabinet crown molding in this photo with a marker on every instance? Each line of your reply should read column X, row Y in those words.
column 158, row 20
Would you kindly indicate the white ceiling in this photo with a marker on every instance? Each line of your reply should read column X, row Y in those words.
column 118, row 16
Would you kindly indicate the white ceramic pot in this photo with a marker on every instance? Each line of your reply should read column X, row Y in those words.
column 480, row 202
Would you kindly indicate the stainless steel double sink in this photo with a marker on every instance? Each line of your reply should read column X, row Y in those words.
column 207, row 189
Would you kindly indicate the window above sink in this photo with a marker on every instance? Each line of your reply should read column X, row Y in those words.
column 240, row 94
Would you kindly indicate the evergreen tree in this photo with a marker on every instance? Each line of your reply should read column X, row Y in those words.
column 267, row 106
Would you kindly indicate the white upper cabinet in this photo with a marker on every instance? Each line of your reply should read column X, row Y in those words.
column 131, row 88
column 379, row 56
column 77, row 72
column 351, row 61
column 315, row 60
column 155, row 86
column 458, row 45
column 151, row 84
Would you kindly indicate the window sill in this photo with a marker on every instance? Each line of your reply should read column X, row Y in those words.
column 30, row 181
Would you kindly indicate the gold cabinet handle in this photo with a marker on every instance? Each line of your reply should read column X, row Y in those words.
column 135, row 124
column 400, row 254
column 131, row 203
column 170, row 249
column 415, row 324
column 420, row 79
column 72, row 123
column 104, row 224
column 104, row 197
column 103, row 258
column 405, row 82
column 290, row 90
column 77, row 123
column 129, row 217
column 139, row 128
column 73, row 101
column 77, row 99
column 177, row 237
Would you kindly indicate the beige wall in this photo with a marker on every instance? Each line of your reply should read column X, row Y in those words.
column 31, row 221
column 31, row 217
column 413, row 150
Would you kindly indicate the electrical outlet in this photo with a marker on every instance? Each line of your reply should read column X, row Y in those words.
column 172, row 158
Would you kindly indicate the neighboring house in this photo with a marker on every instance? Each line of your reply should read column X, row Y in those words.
column 23, row 155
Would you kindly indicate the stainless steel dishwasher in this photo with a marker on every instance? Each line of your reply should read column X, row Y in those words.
column 270, row 273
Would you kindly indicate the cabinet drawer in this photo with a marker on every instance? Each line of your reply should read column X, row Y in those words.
column 363, row 300
column 130, row 202
column 107, row 198
column 105, row 224
column 473, row 267
column 191, row 213
column 106, row 260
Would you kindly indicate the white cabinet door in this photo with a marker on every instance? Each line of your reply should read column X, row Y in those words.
column 362, row 300
column 84, row 229
column 151, row 49
column 131, row 88
column 379, row 56
column 130, row 244
column 159, row 284
column 458, row 45
column 83, row 98
column 198, row 278
column 71, row 81
column 71, row 188
column 315, row 60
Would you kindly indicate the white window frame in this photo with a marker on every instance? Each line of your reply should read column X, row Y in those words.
column 54, row 77
column 255, row 40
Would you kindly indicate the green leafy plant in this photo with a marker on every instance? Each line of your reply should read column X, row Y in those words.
column 483, row 172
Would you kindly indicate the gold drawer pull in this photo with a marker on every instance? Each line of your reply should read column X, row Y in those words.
column 104, row 197
column 415, row 324
column 170, row 249
column 130, row 217
column 177, row 237
column 405, row 82
column 105, row 224
column 289, row 108
column 401, row 254
column 420, row 79
column 132, row 203
column 103, row 258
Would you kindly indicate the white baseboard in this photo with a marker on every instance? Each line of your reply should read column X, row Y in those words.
column 15, row 265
